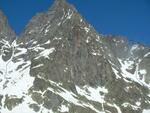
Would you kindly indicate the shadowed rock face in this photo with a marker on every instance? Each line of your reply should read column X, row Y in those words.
column 60, row 64
column 5, row 31
column 7, row 36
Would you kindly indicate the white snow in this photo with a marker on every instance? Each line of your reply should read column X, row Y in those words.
column 6, row 43
column 146, row 111
column 92, row 93
column 35, row 42
column 56, row 38
column 136, row 75
column 44, row 110
column 93, row 53
column 86, row 29
column 88, row 39
column 37, row 48
column 117, row 107
column 117, row 41
column 98, row 39
column 71, row 97
column 16, row 81
column 133, row 106
column 134, row 47
column 147, row 54
column 66, row 69
column 45, row 53
column 47, row 29
column 96, row 53
column 143, row 72
column 69, row 14
column 59, row 23
column 48, row 42
column 67, row 95
column 64, row 108
column 32, row 31
column 148, row 95
column 19, row 80
column 40, row 65
column 116, row 73
column 138, row 103
column 21, row 51
column 126, row 65
column 66, row 17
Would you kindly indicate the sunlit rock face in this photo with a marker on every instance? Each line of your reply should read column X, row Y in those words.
column 60, row 64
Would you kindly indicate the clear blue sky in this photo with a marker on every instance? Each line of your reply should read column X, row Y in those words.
column 130, row 18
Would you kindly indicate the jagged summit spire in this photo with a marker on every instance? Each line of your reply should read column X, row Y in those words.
column 5, row 30
column 3, row 21
column 1, row 13
column 60, row 4
column 2, row 16
column 60, row 1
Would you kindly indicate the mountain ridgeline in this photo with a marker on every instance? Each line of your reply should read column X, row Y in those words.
column 60, row 64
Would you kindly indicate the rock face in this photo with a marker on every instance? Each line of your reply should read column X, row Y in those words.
column 60, row 64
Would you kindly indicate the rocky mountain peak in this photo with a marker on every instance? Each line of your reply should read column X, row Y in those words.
column 3, row 21
column 5, row 30
column 60, row 2
column 60, row 64
column 61, row 5
column 62, row 18
column 1, row 14
column 2, row 17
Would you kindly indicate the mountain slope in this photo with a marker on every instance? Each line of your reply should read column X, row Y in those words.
column 60, row 64
column 14, row 69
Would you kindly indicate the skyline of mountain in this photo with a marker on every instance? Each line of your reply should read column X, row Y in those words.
column 61, row 64
column 129, row 18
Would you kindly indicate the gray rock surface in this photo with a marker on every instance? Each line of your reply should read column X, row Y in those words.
column 60, row 64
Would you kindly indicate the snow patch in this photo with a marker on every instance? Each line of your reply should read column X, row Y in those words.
column 134, row 47
column 48, row 42
column 71, row 97
column 86, row 29
column 47, row 29
column 147, row 54
column 88, row 39
column 116, row 73
column 45, row 53
column 146, row 111
column 64, row 108
column 92, row 93
column 40, row 65
column 138, row 103
column 143, row 72
column 133, row 106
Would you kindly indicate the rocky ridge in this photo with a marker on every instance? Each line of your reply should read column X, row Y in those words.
column 60, row 64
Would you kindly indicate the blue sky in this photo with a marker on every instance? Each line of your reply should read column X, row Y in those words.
column 129, row 18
